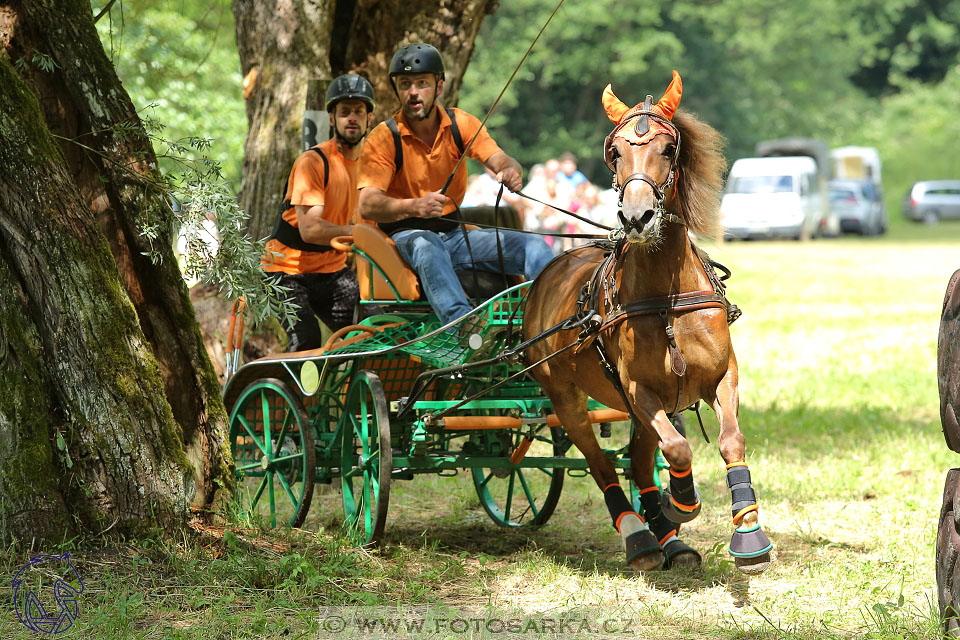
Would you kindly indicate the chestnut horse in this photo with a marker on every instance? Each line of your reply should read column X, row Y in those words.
column 659, row 341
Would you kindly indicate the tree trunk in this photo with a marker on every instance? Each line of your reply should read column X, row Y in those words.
column 104, row 350
column 285, row 43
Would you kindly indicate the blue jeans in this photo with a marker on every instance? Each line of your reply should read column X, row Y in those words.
column 437, row 256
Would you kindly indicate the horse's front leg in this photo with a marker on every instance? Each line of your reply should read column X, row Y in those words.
column 749, row 545
column 641, row 546
column 680, row 501
column 643, row 447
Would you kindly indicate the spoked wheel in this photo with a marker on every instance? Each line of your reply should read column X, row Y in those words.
column 366, row 459
column 518, row 496
column 273, row 448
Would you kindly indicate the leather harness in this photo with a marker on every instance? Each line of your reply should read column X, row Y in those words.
column 600, row 291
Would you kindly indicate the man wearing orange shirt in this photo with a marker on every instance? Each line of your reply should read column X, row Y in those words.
column 400, row 186
column 320, row 204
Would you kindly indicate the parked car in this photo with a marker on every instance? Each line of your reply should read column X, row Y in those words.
column 932, row 201
column 858, row 206
column 773, row 198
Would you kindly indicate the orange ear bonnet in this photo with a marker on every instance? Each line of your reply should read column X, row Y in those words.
column 617, row 112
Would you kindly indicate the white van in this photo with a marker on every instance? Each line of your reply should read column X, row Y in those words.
column 775, row 197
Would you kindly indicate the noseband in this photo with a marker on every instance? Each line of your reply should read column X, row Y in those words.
column 641, row 125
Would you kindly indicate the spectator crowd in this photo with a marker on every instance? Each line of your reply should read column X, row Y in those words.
column 559, row 183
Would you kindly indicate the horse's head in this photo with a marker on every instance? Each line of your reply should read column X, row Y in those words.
column 643, row 152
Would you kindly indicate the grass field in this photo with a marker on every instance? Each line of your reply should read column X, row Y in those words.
column 837, row 349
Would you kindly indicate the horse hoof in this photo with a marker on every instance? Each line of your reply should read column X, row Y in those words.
column 678, row 513
column 750, row 543
column 678, row 554
column 648, row 562
column 643, row 551
column 751, row 550
column 753, row 566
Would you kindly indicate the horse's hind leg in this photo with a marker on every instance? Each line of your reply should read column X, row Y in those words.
column 641, row 546
column 643, row 447
column 749, row 545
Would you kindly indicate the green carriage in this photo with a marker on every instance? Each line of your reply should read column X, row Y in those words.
column 399, row 395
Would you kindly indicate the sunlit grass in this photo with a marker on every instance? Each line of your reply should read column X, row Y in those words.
column 839, row 407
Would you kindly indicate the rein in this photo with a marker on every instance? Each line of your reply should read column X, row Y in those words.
column 463, row 155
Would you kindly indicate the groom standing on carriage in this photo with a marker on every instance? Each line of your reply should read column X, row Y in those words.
column 406, row 162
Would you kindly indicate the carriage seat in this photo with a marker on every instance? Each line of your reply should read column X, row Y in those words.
column 381, row 249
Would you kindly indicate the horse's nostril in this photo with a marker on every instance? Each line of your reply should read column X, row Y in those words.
column 647, row 217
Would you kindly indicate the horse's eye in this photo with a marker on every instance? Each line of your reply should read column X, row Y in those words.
column 670, row 150
column 614, row 154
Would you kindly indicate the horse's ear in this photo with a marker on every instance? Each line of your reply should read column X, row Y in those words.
column 613, row 105
column 671, row 97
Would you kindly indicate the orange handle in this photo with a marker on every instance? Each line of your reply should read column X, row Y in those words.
column 342, row 243
column 238, row 340
column 233, row 322
column 520, row 451
column 600, row 415
column 334, row 340
column 481, row 422
column 235, row 332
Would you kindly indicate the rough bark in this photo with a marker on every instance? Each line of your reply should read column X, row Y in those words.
column 284, row 44
column 948, row 532
column 117, row 352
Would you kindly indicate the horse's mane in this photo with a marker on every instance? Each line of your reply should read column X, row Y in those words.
column 700, row 179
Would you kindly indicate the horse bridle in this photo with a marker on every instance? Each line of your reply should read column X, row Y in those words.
column 641, row 118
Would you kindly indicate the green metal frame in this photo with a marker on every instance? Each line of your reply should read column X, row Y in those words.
column 406, row 345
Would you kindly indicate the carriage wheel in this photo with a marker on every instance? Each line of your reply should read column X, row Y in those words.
column 366, row 459
column 326, row 412
column 948, row 554
column 518, row 496
column 948, row 363
column 273, row 447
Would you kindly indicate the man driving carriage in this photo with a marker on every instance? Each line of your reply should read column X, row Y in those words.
column 405, row 163
column 320, row 202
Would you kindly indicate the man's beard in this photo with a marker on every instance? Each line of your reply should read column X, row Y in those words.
column 349, row 141
column 427, row 112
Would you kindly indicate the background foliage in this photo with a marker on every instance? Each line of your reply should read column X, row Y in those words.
column 181, row 57
column 882, row 73
column 849, row 73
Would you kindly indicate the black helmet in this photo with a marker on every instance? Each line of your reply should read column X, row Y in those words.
column 350, row 86
column 418, row 57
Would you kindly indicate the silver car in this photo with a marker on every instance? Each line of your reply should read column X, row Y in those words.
column 932, row 201
column 857, row 205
